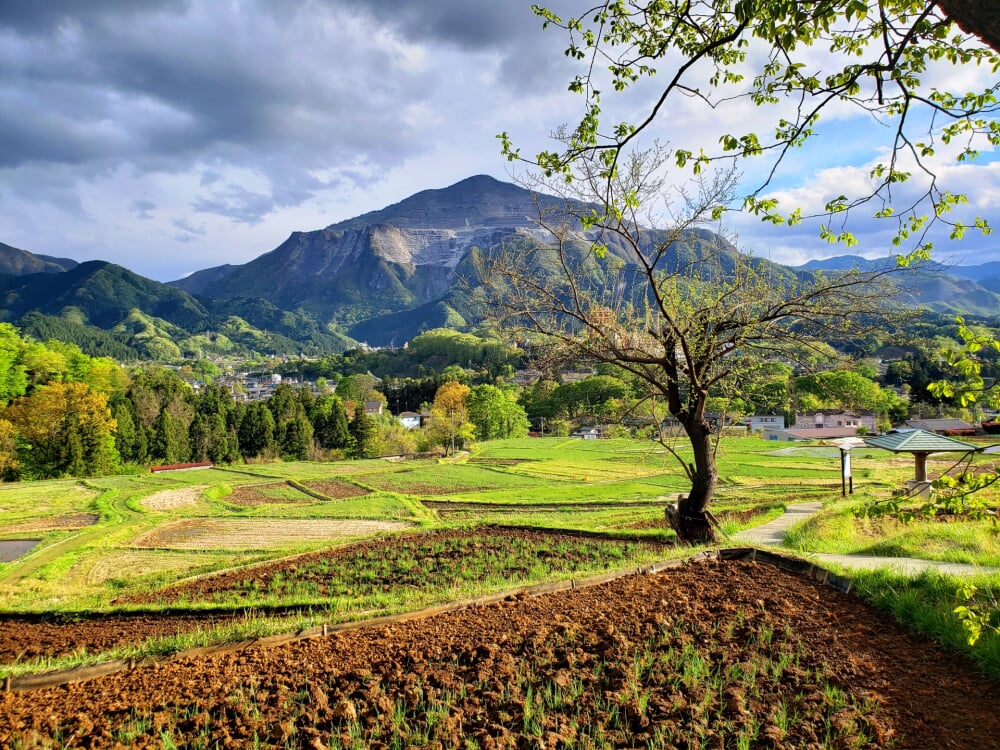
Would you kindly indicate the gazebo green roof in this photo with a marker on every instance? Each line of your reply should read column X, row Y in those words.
column 918, row 441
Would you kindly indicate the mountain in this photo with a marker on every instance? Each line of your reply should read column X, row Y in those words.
column 959, row 290
column 197, row 282
column 846, row 263
column 109, row 310
column 479, row 201
column 986, row 274
column 980, row 273
column 16, row 262
column 386, row 275
column 383, row 262
column 99, row 293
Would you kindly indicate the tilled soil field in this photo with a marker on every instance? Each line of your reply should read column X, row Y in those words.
column 709, row 655
column 337, row 489
column 251, row 496
column 26, row 638
column 406, row 562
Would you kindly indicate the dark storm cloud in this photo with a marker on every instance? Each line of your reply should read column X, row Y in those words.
column 39, row 16
column 468, row 25
column 119, row 118
column 167, row 85
column 529, row 59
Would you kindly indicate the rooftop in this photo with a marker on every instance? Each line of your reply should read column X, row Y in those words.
column 918, row 441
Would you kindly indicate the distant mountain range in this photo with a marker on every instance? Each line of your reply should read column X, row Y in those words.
column 943, row 288
column 379, row 278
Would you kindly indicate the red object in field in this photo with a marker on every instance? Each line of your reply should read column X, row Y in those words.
column 181, row 467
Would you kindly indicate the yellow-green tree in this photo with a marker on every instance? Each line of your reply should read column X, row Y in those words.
column 44, row 365
column 63, row 429
column 450, row 426
column 13, row 380
column 9, row 465
column 496, row 413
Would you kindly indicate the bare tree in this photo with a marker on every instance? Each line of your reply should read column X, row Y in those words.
column 680, row 308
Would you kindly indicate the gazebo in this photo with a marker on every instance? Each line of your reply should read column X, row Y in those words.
column 920, row 443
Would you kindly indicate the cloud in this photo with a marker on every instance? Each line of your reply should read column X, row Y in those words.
column 467, row 25
column 43, row 18
column 257, row 99
column 206, row 80
column 238, row 203
column 187, row 232
column 980, row 181
column 144, row 209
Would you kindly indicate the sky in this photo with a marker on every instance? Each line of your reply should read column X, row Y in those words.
column 170, row 136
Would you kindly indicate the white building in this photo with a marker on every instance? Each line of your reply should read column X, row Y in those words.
column 761, row 422
column 409, row 419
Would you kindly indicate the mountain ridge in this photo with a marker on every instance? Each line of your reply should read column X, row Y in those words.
column 17, row 262
column 380, row 278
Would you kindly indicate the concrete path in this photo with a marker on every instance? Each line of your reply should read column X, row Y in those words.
column 773, row 534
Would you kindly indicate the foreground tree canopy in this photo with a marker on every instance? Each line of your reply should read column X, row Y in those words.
column 879, row 56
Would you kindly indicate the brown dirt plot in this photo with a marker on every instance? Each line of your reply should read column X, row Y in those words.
column 252, row 496
column 52, row 523
column 239, row 533
column 184, row 497
column 337, row 489
column 492, row 676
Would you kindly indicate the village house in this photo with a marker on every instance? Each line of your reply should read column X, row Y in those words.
column 524, row 378
column 828, row 419
column 591, row 432
column 761, row 422
column 409, row 419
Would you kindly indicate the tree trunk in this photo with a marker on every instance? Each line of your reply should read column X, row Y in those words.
column 691, row 520
column 979, row 17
